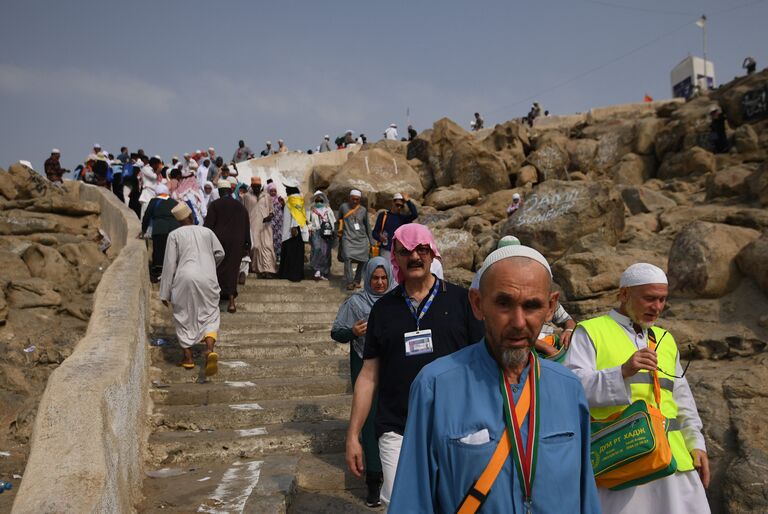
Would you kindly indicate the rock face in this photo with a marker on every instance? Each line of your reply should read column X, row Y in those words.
column 702, row 261
column 753, row 263
column 444, row 198
column 457, row 248
column 378, row 175
column 695, row 161
column 558, row 213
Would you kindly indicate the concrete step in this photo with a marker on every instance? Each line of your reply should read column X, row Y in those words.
column 331, row 502
column 281, row 350
column 234, row 369
column 257, row 320
column 183, row 447
column 263, row 486
column 228, row 392
column 318, row 305
column 248, row 414
column 326, row 472
column 273, row 285
column 291, row 296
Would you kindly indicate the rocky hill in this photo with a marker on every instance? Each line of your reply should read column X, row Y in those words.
column 604, row 190
column 50, row 265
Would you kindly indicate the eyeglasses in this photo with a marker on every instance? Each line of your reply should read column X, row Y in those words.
column 422, row 250
column 690, row 358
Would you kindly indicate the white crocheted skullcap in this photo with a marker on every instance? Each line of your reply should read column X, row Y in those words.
column 505, row 252
column 642, row 273
column 356, row 192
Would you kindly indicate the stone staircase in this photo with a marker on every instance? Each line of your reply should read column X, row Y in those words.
column 266, row 434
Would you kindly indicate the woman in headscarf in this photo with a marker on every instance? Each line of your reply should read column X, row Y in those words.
column 210, row 194
column 321, row 233
column 278, row 204
column 295, row 234
column 350, row 326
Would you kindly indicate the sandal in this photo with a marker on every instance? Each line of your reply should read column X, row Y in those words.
column 211, row 364
column 187, row 365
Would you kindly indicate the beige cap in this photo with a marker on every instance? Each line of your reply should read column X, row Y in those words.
column 224, row 184
column 181, row 211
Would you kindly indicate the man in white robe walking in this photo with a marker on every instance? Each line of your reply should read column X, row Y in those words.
column 613, row 383
column 189, row 283
column 259, row 206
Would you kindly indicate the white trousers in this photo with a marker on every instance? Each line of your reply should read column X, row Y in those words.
column 389, row 452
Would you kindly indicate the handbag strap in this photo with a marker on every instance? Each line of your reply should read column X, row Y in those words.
column 347, row 215
column 478, row 492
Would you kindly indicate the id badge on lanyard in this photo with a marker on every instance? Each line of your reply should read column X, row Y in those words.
column 419, row 342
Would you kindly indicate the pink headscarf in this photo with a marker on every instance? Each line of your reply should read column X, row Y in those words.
column 410, row 236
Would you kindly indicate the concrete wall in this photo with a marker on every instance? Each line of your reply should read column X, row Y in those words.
column 90, row 434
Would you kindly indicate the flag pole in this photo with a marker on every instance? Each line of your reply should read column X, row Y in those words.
column 704, row 49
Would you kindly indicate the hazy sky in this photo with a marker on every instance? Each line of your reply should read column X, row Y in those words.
column 172, row 76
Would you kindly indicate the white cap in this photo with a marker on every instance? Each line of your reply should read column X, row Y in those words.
column 505, row 252
column 507, row 241
column 55, row 150
column 280, row 141
column 224, row 184
column 211, row 149
column 397, row 196
column 198, row 151
column 157, row 157
column 317, row 193
column 516, row 196
column 175, row 158
column 290, row 182
column 96, row 145
column 355, row 192
column 393, row 125
column 642, row 273
column 139, row 162
column 186, row 154
column 326, row 136
column 27, row 164
column 348, row 132
column 269, row 143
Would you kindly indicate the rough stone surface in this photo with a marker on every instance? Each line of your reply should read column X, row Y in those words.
column 457, row 248
column 551, row 156
column 702, row 261
column 493, row 207
column 527, row 175
column 642, row 199
column 758, row 184
column 558, row 213
column 32, row 292
column 729, row 182
column 378, row 175
column 444, row 198
column 745, row 139
column 581, row 153
column 695, row 161
column 615, row 139
column 634, row 169
column 753, row 263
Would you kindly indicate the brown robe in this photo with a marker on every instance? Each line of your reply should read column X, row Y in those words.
column 229, row 221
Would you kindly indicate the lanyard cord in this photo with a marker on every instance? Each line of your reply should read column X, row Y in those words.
column 419, row 315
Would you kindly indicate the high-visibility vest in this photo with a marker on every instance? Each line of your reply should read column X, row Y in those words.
column 613, row 347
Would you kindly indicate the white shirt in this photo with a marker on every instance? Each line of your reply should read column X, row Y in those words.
column 607, row 387
column 391, row 134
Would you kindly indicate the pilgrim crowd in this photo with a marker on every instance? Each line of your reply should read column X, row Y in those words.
column 487, row 399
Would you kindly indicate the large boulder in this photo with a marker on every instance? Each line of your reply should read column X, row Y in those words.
column 457, row 248
column 30, row 184
column 640, row 200
column 758, row 184
column 47, row 263
column 7, row 187
column 695, row 161
column 444, row 198
column 745, row 139
column 731, row 181
column 740, row 99
column 445, row 137
column 11, row 267
column 475, row 166
column 558, row 213
column 493, row 207
column 509, row 141
column 16, row 225
column 615, row 139
column 581, row 153
column 27, row 293
column 527, row 175
column 322, row 175
column 752, row 261
column 550, row 158
column 378, row 175
column 646, row 130
column 702, row 260
column 634, row 169
column 688, row 127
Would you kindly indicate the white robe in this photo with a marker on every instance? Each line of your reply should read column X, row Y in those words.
column 189, row 282
column 680, row 493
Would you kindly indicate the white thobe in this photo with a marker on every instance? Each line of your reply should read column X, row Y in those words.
column 189, row 282
column 680, row 493
column 390, row 134
column 202, row 175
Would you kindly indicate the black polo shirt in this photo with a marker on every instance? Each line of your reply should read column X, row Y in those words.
column 453, row 327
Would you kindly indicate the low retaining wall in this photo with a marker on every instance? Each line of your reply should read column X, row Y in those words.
column 90, row 434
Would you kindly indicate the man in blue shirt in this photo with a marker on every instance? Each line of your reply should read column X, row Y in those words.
column 463, row 405
column 389, row 221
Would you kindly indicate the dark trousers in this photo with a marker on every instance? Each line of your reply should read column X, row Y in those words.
column 370, row 442
column 158, row 254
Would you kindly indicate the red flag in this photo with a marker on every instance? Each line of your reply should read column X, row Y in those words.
column 647, row 98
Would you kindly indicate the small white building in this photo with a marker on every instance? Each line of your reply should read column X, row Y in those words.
column 691, row 72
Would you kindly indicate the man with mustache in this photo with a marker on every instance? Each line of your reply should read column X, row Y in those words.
column 420, row 320
column 612, row 356
column 498, row 394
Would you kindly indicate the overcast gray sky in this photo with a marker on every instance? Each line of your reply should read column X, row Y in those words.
column 172, row 76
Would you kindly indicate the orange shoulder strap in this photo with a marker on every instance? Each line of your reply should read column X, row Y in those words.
column 477, row 494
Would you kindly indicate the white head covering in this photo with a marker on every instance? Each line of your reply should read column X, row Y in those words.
column 642, row 273
column 211, row 149
column 96, row 145
column 224, row 184
column 326, row 136
column 507, row 241
column 162, row 189
column 55, row 150
column 317, row 193
column 356, row 192
column 506, row 252
column 290, row 182
column 397, row 196
column 393, row 125
column 516, row 196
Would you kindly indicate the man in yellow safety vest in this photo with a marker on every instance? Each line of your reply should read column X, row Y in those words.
column 611, row 356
